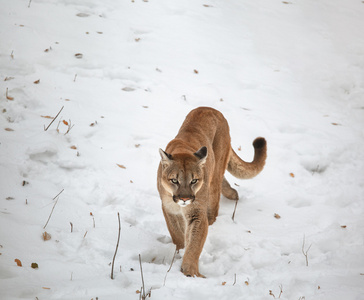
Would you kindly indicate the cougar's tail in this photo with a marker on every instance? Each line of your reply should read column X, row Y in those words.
column 244, row 170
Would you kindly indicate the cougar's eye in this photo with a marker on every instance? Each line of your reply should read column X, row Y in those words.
column 194, row 181
column 174, row 181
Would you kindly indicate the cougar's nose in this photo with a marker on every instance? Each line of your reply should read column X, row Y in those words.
column 185, row 199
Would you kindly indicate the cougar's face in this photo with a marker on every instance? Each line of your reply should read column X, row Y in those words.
column 182, row 176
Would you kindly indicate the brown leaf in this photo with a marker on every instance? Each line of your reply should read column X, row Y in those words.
column 37, row 81
column 45, row 288
column 291, row 174
column 336, row 124
column 343, row 226
column 46, row 236
column 18, row 262
column 239, row 148
column 246, row 282
column 277, row 216
column 79, row 55
column 9, row 129
column 47, row 117
column 224, row 283
column 196, row 72
column 121, row 166
column 137, row 291
column 65, row 122
column 73, row 147
column 34, row 265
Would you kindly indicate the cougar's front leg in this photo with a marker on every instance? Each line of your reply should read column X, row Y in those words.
column 196, row 232
column 176, row 227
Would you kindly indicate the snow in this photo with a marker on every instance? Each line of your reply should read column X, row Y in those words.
column 291, row 71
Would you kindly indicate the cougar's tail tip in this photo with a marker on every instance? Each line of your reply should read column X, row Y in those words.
column 259, row 143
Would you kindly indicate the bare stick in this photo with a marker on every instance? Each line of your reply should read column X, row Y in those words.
column 281, row 290
column 74, row 80
column 236, row 204
column 234, row 279
column 141, row 271
column 303, row 250
column 170, row 267
column 52, row 208
column 45, row 129
column 69, row 127
column 116, row 250
column 71, row 226
column 30, row 1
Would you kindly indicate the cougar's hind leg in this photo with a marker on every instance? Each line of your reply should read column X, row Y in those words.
column 228, row 191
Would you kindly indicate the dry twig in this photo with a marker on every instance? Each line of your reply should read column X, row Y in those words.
column 45, row 129
column 143, row 296
column 170, row 267
column 236, row 204
column 116, row 249
column 303, row 250
column 53, row 208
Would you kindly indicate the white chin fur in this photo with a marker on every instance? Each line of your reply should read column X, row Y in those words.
column 184, row 203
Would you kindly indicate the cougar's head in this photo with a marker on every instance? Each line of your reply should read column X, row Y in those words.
column 183, row 174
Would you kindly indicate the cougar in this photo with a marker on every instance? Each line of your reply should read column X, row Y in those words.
column 191, row 179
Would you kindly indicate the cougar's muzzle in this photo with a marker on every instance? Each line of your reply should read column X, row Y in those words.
column 183, row 200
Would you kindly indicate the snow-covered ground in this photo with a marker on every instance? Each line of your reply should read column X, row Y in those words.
column 291, row 71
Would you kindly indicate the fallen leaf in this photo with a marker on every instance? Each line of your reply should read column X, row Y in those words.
column 336, row 124
column 121, row 166
column 47, row 117
column 82, row 15
column 10, row 198
column 45, row 288
column 9, row 129
column 25, row 183
column 34, row 265
column 8, row 97
column 37, row 81
column 137, row 39
column 291, row 174
column 137, row 145
column 128, row 89
column 65, row 122
column 91, row 214
column 137, row 291
column 196, row 72
column 343, row 226
column 224, row 283
column 79, row 55
column 73, row 147
column 239, row 148
column 277, row 216
column 246, row 283
column 18, row 262
column 46, row 236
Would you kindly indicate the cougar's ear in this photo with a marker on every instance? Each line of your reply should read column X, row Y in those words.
column 166, row 158
column 201, row 154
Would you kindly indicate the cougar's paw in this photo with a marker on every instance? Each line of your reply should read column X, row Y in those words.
column 191, row 271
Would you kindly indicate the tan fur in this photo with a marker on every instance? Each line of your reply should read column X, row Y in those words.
column 191, row 179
